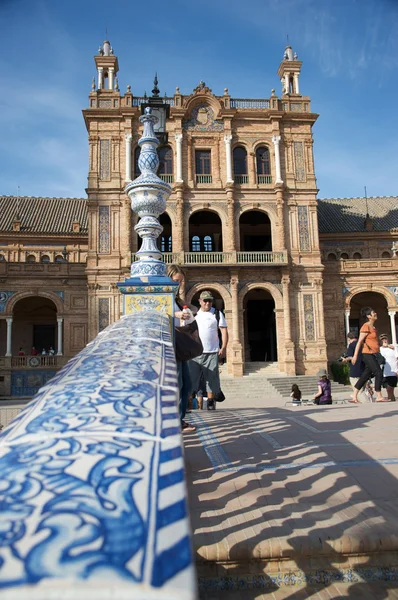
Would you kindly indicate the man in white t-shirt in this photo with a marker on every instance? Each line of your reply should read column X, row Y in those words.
column 207, row 363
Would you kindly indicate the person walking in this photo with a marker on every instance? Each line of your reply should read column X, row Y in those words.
column 355, row 370
column 209, row 323
column 391, row 367
column 369, row 344
column 324, row 394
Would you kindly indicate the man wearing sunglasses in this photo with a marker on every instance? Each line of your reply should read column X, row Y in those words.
column 210, row 322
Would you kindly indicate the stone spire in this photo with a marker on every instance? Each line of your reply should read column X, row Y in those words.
column 107, row 67
column 289, row 71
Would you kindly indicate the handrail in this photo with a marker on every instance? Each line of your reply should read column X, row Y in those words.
column 93, row 494
column 222, row 258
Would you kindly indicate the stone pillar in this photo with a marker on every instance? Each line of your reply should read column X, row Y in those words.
column 228, row 154
column 235, row 354
column 281, row 218
column 100, row 78
column 287, row 86
column 60, row 341
column 178, row 138
column 290, row 361
column 231, row 242
column 178, row 236
column 276, row 139
column 391, row 314
column 128, row 138
column 9, row 336
column 296, row 83
column 347, row 321
column 110, row 78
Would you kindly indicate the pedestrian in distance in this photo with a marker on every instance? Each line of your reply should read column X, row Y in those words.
column 357, row 369
column 389, row 351
column 368, row 342
column 324, row 394
column 296, row 395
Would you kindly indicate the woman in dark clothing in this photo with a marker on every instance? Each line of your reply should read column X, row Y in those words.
column 324, row 395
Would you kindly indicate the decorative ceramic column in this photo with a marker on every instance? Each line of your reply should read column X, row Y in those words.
column 60, row 341
column 228, row 154
column 9, row 336
column 149, row 288
column 347, row 322
column 128, row 138
column 276, row 139
column 391, row 314
column 178, row 138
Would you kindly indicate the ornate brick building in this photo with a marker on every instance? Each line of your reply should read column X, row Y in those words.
column 242, row 220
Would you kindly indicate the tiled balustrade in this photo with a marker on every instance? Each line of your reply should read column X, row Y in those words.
column 93, row 489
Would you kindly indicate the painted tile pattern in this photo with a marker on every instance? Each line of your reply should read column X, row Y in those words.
column 92, row 471
column 4, row 296
column 105, row 160
column 299, row 160
column 103, row 313
column 309, row 322
column 104, row 230
column 28, row 383
column 304, row 232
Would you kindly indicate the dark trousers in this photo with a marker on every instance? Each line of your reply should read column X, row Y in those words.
column 372, row 369
column 184, row 383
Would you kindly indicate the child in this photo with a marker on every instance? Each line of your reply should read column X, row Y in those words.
column 296, row 395
column 324, row 395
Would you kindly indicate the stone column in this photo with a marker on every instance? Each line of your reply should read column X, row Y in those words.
column 236, row 355
column 287, row 86
column 100, row 78
column 9, row 336
column 228, row 154
column 231, row 220
column 178, row 236
column 290, row 362
column 391, row 314
column 281, row 218
column 128, row 138
column 59, row 347
column 347, row 321
column 110, row 78
column 276, row 139
column 178, row 138
column 296, row 83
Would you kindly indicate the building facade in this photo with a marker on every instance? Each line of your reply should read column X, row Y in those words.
column 289, row 271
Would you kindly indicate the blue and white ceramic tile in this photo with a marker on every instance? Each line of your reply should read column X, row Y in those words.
column 92, row 485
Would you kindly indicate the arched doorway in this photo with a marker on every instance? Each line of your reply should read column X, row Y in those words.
column 260, row 327
column 378, row 303
column 218, row 300
column 255, row 231
column 34, row 324
column 205, row 232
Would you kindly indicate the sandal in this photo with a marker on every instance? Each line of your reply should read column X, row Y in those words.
column 383, row 400
column 354, row 401
column 187, row 426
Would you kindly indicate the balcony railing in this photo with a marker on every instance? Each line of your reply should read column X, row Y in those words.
column 249, row 103
column 224, row 258
column 204, row 179
column 261, row 179
column 34, row 362
column 241, row 178
column 167, row 178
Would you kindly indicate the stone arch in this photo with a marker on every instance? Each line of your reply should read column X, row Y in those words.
column 222, row 290
column 13, row 300
column 265, row 285
column 387, row 295
column 198, row 99
column 204, row 208
column 271, row 214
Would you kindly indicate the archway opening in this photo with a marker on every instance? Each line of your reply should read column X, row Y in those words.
column 34, row 324
column 378, row 303
column 205, row 232
column 218, row 300
column 255, row 231
column 260, row 327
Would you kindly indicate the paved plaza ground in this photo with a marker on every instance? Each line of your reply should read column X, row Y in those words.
column 300, row 495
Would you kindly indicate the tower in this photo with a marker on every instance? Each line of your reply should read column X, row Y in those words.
column 289, row 72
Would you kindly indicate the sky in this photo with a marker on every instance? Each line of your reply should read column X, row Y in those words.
column 349, row 50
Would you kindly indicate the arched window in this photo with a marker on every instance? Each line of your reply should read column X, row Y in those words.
column 45, row 259
column 195, row 244
column 59, row 258
column 386, row 255
column 263, row 165
column 357, row 256
column 332, row 256
column 137, row 153
column 207, row 244
column 344, row 255
column 166, row 164
column 31, row 258
column 240, row 165
column 165, row 244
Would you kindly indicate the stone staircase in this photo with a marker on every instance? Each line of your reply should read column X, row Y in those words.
column 264, row 379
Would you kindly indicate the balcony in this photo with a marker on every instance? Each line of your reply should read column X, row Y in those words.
column 241, row 179
column 204, row 179
column 167, row 178
column 224, row 258
column 262, row 179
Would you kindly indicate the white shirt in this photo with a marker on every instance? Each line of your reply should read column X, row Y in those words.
column 208, row 329
column 391, row 366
